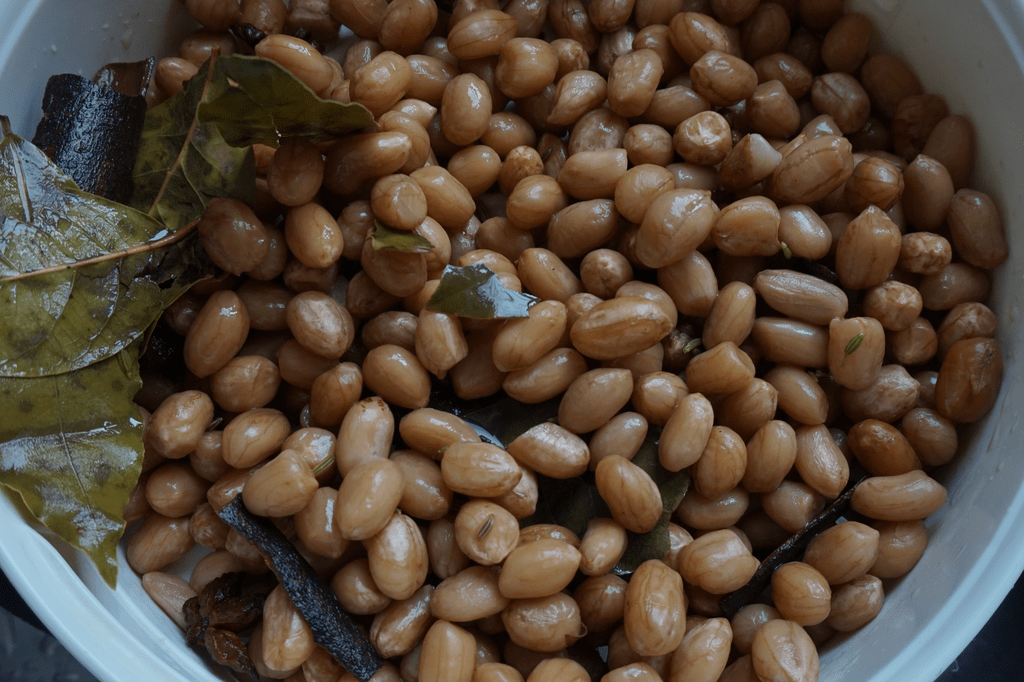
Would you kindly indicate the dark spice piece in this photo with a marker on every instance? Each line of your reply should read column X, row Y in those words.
column 331, row 626
column 248, row 34
column 91, row 130
column 791, row 550
column 228, row 649
column 251, row 36
column 226, row 606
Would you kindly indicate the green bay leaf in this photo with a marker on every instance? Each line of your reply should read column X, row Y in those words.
column 63, row 320
column 71, row 447
column 254, row 100
column 475, row 291
column 506, row 418
column 654, row 544
column 398, row 240
column 183, row 162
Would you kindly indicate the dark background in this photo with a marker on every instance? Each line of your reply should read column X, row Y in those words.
column 29, row 654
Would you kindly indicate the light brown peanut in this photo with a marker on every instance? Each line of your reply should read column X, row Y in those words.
column 801, row 296
column 812, row 171
column 177, row 426
column 820, row 462
column 486, row 532
column 367, row 498
column 593, row 398
column 704, row 651
column 771, row 452
column 933, row 437
column 856, row 349
column 396, row 374
column 856, row 603
column 365, row 434
column 448, row 654
column 676, row 223
column 783, row 650
column 900, row 546
column 792, row 505
column 545, row 624
column 281, row 487
column 287, row 639
column 868, row 250
column 629, row 491
column 158, row 542
column 686, row 433
column 799, row 394
column 654, row 603
column 902, row 497
column 397, row 557
column 400, row 626
column 844, row 552
column 538, row 569
column 791, row 342
column 619, row 327
column 881, row 448
column 723, row 369
column 718, row 562
column 217, row 334
column 552, row 450
column 969, row 379
column 356, row 590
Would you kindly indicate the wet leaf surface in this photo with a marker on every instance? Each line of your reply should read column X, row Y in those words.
column 573, row 502
column 256, row 100
column 654, row 544
column 196, row 146
column 183, row 162
column 398, row 240
column 71, row 446
column 64, row 320
column 475, row 291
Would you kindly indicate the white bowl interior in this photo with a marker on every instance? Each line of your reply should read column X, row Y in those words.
column 969, row 52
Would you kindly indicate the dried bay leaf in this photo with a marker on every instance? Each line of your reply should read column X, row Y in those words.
column 71, row 446
column 196, row 146
column 184, row 163
column 506, row 419
column 398, row 240
column 573, row 502
column 66, row 319
column 568, row 502
column 261, row 101
column 654, row 544
column 82, row 279
column 475, row 291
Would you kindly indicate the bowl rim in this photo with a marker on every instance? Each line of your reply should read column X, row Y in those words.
column 34, row 565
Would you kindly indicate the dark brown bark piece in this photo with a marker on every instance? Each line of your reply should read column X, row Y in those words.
column 91, row 131
column 331, row 626
column 791, row 550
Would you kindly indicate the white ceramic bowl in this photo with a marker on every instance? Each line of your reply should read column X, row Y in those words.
column 970, row 51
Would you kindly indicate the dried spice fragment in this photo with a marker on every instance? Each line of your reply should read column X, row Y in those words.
column 331, row 626
column 228, row 649
column 791, row 550
column 225, row 606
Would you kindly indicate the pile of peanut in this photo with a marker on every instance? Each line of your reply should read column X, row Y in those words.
column 640, row 166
